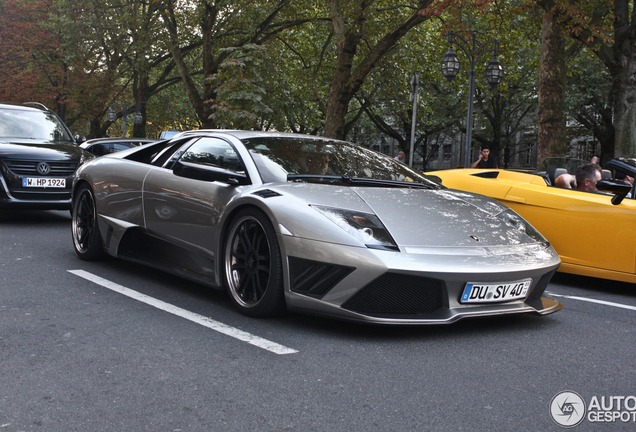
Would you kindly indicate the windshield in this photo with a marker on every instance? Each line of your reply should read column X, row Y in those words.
column 39, row 125
column 278, row 157
column 560, row 162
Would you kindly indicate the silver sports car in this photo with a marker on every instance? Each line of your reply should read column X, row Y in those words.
column 313, row 225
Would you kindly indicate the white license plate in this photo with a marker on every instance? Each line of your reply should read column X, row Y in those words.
column 499, row 292
column 43, row 182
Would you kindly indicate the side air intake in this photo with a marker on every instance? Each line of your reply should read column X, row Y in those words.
column 313, row 278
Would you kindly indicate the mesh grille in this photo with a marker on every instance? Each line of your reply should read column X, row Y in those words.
column 58, row 169
column 398, row 295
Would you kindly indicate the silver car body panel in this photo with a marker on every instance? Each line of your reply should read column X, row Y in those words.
column 446, row 235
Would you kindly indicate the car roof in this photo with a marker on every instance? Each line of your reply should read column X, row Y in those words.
column 26, row 106
column 118, row 139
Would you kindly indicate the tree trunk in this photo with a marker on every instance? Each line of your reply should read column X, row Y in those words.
column 173, row 45
column 624, row 90
column 349, row 33
column 552, row 87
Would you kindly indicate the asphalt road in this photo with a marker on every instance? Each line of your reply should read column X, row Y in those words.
column 146, row 351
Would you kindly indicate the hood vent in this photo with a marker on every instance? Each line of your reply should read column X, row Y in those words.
column 266, row 193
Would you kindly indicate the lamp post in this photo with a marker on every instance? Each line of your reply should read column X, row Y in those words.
column 450, row 68
column 415, row 82
column 125, row 110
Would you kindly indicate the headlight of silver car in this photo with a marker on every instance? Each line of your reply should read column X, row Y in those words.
column 365, row 227
column 513, row 220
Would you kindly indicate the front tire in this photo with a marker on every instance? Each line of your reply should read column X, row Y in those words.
column 252, row 265
column 86, row 238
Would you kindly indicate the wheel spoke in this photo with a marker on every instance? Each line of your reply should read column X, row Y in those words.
column 257, row 290
column 243, row 284
column 238, row 266
column 84, row 209
column 244, row 239
column 256, row 236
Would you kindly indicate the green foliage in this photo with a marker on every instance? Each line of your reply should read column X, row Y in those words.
column 271, row 64
column 588, row 97
column 240, row 96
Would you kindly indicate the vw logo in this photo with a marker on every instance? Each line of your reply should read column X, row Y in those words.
column 43, row 168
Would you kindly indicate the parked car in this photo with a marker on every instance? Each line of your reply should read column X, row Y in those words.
column 593, row 233
column 38, row 157
column 311, row 224
column 168, row 134
column 104, row 146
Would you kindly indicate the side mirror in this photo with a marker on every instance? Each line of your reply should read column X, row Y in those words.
column 620, row 189
column 208, row 173
column 79, row 139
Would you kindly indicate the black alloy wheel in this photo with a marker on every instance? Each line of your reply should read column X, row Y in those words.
column 86, row 238
column 252, row 265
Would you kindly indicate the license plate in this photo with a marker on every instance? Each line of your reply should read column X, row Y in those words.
column 43, row 182
column 499, row 292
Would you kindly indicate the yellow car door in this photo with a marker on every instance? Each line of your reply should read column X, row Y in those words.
column 585, row 228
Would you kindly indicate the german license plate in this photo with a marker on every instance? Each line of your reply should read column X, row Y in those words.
column 499, row 292
column 43, row 182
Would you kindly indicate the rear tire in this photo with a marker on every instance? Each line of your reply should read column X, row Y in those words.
column 252, row 265
column 85, row 231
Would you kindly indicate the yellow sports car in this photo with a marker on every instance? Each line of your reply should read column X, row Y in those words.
column 593, row 233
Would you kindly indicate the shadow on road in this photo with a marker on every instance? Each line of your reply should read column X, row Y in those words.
column 30, row 217
column 590, row 285
column 465, row 328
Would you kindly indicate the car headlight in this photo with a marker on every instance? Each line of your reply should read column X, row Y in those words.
column 365, row 227
column 515, row 221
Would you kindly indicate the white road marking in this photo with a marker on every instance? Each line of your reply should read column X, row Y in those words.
column 603, row 302
column 196, row 318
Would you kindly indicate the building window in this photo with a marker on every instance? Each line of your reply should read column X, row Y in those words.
column 528, row 155
column 448, row 148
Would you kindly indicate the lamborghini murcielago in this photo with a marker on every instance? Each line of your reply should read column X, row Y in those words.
column 287, row 221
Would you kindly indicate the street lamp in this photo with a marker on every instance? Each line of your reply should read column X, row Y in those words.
column 451, row 66
column 415, row 82
column 125, row 109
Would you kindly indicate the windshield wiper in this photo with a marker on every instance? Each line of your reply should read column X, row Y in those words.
column 357, row 181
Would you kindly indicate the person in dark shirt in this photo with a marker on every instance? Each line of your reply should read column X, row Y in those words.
column 484, row 161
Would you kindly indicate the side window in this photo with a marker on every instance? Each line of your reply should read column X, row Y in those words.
column 168, row 155
column 213, row 152
column 99, row 150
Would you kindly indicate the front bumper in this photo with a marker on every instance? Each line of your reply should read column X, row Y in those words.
column 35, row 199
column 410, row 288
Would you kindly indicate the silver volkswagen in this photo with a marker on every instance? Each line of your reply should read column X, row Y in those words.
column 298, row 222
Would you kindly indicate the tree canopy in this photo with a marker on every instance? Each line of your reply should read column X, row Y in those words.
column 340, row 68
